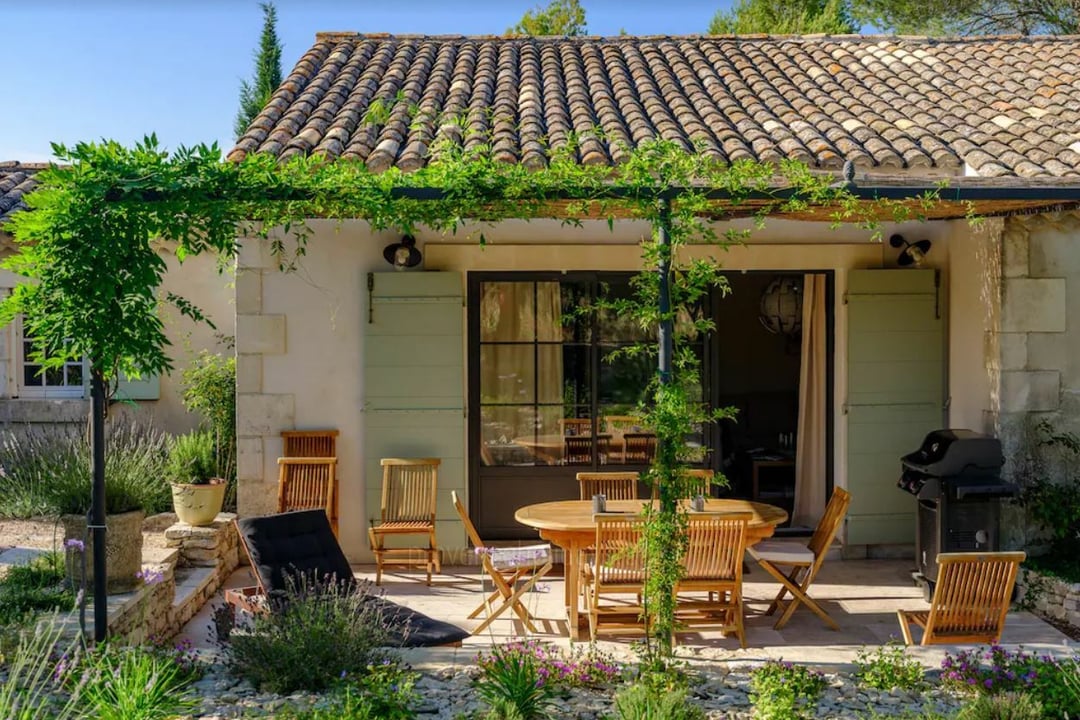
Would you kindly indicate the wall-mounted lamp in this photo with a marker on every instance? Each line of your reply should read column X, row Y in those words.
column 913, row 253
column 402, row 254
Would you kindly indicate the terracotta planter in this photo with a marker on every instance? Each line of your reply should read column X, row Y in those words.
column 198, row 504
column 123, row 551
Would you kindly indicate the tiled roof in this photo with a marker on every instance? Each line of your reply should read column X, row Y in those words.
column 1002, row 106
column 16, row 180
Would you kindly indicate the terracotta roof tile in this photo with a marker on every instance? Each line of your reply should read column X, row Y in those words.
column 16, row 180
column 1001, row 106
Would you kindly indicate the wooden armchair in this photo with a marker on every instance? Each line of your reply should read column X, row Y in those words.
column 309, row 443
column 970, row 600
column 613, row 485
column 713, row 564
column 308, row 483
column 617, row 568
column 407, row 508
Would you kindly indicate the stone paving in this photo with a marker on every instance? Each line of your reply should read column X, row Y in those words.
column 861, row 595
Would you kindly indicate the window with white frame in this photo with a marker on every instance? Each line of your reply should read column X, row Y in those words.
column 66, row 381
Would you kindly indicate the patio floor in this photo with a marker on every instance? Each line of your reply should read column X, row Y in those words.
column 861, row 595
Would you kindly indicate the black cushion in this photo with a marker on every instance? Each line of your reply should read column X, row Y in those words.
column 302, row 543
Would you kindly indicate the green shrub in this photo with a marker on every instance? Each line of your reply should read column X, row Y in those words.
column 191, row 459
column 655, row 697
column 511, row 686
column 318, row 632
column 783, row 691
column 132, row 683
column 29, row 691
column 47, row 473
column 580, row 668
column 1007, row 706
column 382, row 692
column 35, row 587
column 210, row 390
column 889, row 667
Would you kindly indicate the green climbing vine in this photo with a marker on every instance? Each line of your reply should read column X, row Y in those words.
column 89, row 247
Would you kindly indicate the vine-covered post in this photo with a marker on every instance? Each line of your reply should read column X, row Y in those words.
column 97, row 501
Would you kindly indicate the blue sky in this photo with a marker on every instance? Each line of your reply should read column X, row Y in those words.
column 82, row 70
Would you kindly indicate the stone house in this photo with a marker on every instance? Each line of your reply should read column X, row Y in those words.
column 28, row 397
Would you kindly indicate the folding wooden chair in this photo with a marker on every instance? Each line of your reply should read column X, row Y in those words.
column 613, row 485
column 617, row 568
column 506, row 566
column 407, row 508
column 309, row 443
column 714, row 564
column 639, row 447
column 804, row 562
column 970, row 600
column 307, row 483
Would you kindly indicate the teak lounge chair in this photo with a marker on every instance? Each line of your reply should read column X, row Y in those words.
column 714, row 564
column 804, row 562
column 408, row 508
column 506, row 566
column 302, row 544
column 970, row 600
column 305, row 483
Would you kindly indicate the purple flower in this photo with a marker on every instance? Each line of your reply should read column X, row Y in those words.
column 988, row 683
column 75, row 544
column 150, row 577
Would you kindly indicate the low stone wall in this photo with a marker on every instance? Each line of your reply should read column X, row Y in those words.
column 200, row 560
column 1049, row 596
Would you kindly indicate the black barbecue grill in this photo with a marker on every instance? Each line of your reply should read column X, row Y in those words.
column 956, row 475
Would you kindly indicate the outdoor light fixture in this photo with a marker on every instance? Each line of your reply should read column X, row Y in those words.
column 781, row 306
column 402, row 254
column 913, row 253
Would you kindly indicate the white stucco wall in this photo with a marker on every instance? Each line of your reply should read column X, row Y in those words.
column 301, row 336
column 197, row 280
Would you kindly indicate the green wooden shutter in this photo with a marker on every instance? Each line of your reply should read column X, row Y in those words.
column 414, row 385
column 895, row 394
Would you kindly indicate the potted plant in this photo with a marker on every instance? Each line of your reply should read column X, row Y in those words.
column 197, row 490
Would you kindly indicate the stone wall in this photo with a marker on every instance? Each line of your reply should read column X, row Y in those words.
column 1034, row 353
column 202, row 558
column 1049, row 596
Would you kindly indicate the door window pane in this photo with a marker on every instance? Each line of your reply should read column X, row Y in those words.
column 507, row 374
column 507, row 312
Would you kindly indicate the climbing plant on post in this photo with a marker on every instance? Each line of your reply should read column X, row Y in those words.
column 88, row 247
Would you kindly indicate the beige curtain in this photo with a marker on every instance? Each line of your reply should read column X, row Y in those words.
column 810, row 441
column 520, row 312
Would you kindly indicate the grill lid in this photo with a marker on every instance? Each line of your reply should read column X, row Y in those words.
column 948, row 453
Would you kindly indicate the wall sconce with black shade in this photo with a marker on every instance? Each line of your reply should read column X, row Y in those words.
column 402, row 254
column 913, row 253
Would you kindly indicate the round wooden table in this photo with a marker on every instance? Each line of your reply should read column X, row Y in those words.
column 570, row 525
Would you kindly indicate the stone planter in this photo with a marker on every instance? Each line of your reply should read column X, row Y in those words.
column 123, row 551
column 198, row 505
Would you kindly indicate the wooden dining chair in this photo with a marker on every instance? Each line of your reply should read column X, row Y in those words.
column 713, row 564
column 699, row 482
column 577, row 449
column 407, row 508
column 309, row 443
column 802, row 562
column 617, row 568
column 620, row 423
column 308, row 483
column 971, row 599
column 507, row 567
column 613, row 485
column 579, row 427
column 639, row 447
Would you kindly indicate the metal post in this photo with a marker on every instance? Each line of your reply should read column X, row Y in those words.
column 97, row 504
column 665, row 450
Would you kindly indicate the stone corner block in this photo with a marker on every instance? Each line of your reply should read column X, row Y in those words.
column 249, row 372
column 264, row 414
column 249, row 299
column 256, row 253
column 249, row 457
column 263, row 334
column 1033, row 305
column 1013, row 349
column 1030, row 390
column 1014, row 251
